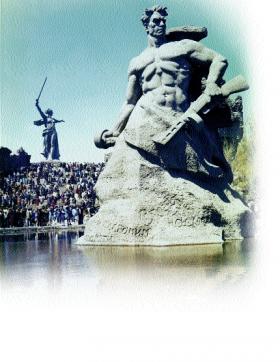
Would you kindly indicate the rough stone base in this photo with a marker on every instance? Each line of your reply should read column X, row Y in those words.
column 143, row 204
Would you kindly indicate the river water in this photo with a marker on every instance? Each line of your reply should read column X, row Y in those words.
column 54, row 261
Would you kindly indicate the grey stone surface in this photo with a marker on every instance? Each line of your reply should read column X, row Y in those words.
column 186, row 32
column 158, row 192
column 144, row 204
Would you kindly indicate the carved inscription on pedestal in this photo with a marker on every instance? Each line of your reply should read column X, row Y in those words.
column 138, row 231
column 175, row 209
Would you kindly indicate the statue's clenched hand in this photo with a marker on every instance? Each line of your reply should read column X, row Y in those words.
column 109, row 137
column 106, row 139
column 212, row 89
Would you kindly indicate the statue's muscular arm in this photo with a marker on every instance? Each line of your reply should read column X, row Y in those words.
column 198, row 53
column 133, row 93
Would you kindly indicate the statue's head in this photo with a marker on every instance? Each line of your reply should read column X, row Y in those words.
column 154, row 21
column 49, row 112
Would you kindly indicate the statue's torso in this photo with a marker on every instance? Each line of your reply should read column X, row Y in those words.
column 50, row 125
column 164, row 74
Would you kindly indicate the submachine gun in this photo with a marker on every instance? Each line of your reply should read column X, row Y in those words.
column 201, row 104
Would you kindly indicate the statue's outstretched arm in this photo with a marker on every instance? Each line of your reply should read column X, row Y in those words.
column 134, row 92
column 58, row 120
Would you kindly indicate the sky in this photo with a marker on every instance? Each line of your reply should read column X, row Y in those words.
column 84, row 48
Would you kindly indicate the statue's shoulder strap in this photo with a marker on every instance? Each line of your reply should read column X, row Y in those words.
column 186, row 32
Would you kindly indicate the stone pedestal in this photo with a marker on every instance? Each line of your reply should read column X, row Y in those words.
column 141, row 203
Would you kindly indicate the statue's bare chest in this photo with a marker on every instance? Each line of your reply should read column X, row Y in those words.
column 166, row 60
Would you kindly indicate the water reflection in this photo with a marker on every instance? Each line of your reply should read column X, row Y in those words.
column 189, row 266
column 35, row 256
column 54, row 259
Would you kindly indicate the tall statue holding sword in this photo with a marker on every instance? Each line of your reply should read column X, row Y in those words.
column 50, row 143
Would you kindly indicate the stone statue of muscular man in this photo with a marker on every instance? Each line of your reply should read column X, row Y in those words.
column 159, row 92
column 166, row 181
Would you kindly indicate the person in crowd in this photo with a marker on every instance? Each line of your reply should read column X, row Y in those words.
column 49, row 194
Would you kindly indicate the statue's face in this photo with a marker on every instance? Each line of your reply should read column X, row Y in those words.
column 157, row 26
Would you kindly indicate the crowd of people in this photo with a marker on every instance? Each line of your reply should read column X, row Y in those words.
column 49, row 194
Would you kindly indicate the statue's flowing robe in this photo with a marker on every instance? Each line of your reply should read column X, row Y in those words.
column 50, row 140
column 51, row 143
